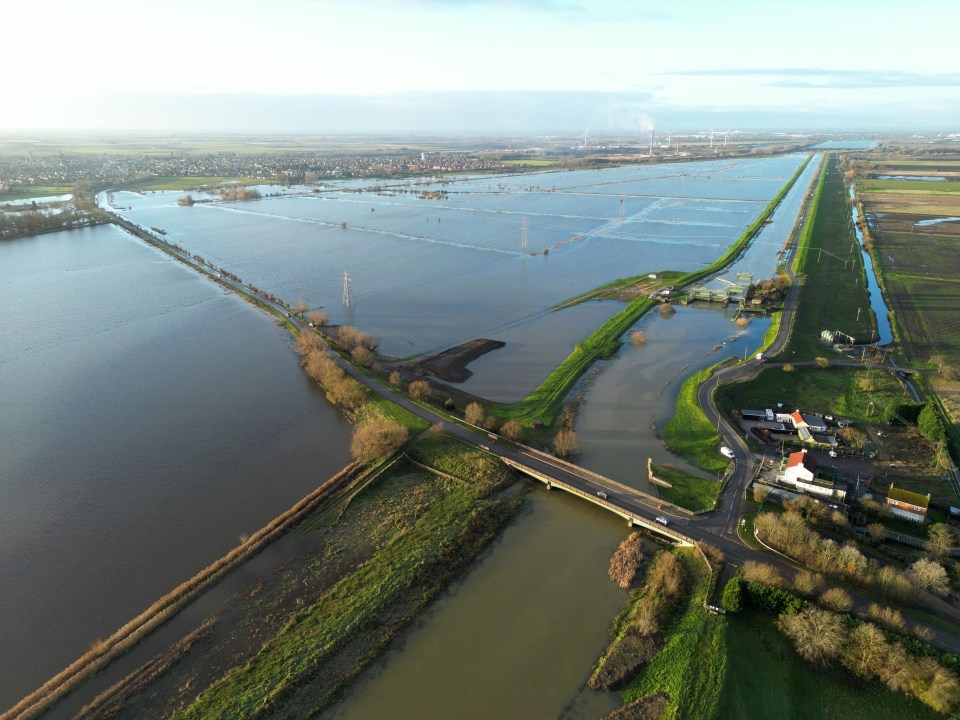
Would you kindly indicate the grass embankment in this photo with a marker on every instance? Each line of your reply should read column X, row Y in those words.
column 544, row 403
column 689, row 433
column 835, row 390
column 833, row 292
column 35, row 191
column 690, row 668
column 803, row 242
column 688, row 491
column 379, row 405
column 773, row 329
column 768, row 680
column 186, row 182
column 301, row 669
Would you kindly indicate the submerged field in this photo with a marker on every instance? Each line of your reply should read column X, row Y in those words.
column 437, row 263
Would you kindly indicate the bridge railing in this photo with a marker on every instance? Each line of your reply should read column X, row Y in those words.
column 602, row 502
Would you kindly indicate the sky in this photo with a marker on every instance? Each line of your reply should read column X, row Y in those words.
column 479, row 66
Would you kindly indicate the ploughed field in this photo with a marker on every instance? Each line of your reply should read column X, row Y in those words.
column 919, row 259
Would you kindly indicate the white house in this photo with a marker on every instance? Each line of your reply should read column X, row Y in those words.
column 807, row 476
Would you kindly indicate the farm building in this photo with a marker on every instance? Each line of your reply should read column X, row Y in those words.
column 908, row 505
column 761, row 415
column 813, row 423
column 804, row 473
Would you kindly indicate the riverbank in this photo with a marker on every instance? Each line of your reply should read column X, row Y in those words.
column 289, row 639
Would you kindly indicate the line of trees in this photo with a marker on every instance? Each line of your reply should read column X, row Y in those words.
column 32, row 222
column 342, row 390
column 789, row 533
column 824, row 638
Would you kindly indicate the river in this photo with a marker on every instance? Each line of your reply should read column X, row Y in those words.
column 518, row 637
column 148, row 419
column 877, row 302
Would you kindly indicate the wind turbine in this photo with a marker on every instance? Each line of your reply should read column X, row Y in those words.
column 586, row 134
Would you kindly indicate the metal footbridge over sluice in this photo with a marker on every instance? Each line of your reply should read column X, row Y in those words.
column 627, row 502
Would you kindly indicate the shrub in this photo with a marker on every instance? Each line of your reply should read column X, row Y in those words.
column 837, row 599
column 376, row 438
column 512, row 430
column 772, row 599
column 732, row 600
column 765, row 573
column 626, row 561
column 419, row 389
column 474, row 413
column 565, row 443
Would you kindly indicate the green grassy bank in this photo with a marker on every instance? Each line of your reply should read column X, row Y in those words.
column 689, row 433
column 688, row 491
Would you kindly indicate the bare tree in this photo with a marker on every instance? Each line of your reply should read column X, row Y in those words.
column 928, row 576
column 877, row 531
column 300, row 307
column 565, row 443
column 788, row 368
column 638, row 337
column 626, row 560
column 760, row 493
column 940, row 539
column 362, row 356
column 512, row 430
column 318, row 318
column 491, row 424
column 763, row 573
column 474, row 413
column 807, row 583
column 822, row 362
column 865, row 651
column 375, row 438
column 419, row 389
column 888, row 617
column 837, row 599
column 395, row 378
column 817, row 634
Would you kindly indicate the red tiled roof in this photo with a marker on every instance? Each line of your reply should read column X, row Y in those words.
column 797, row 418
column 802, row 458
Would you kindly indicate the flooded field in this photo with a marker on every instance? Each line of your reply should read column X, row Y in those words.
column 628, row 399
column 148, row 419
column 434, row 264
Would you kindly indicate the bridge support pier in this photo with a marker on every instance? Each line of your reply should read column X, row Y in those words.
column 549, row 485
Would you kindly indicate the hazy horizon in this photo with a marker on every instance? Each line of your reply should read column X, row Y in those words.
column 466, row 67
